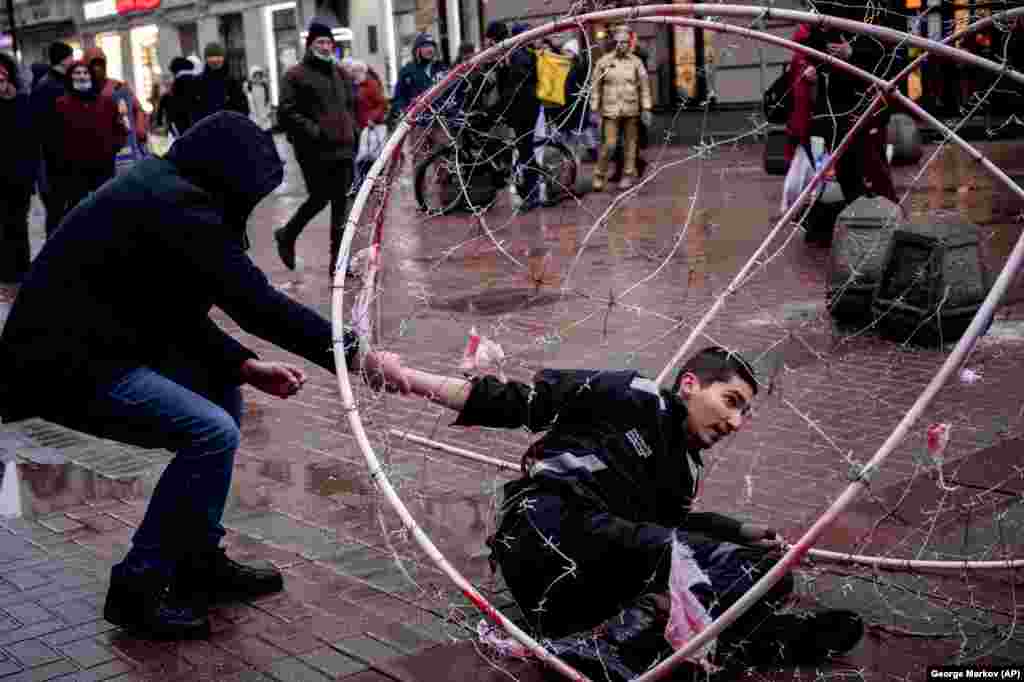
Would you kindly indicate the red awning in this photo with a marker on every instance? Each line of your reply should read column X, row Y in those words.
column 129, row 6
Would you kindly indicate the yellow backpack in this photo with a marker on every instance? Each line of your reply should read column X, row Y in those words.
column 552, row 72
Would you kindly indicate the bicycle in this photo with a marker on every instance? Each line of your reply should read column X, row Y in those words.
column 469, row 171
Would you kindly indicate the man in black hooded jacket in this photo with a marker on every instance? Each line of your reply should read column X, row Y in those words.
column 110, row 334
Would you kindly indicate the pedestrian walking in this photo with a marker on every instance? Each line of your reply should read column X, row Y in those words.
column 19, row 165
column 115, row 312
column 46, row 127
column 181, row 104
column 572, row 121
column 317, row 112
column 620, row 98
column 607, row 490
column 96, row 59
column 257, row 89
column 415, row 78
column 371, row 104
column 518, row 106
column 92, row 130
column 218, row 90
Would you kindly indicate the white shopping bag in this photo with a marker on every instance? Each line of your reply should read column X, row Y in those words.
column 801, row 170
column 371, row 142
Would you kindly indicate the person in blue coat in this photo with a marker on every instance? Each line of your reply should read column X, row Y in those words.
column 19, row 165
column 584, row 538
column 111, row 335
column 415, row 78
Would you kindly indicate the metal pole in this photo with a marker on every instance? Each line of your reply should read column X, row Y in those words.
column 13, row 28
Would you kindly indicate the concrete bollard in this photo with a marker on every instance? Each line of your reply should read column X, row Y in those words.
column 905, row 139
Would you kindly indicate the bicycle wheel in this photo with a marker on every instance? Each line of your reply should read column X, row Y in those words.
column 450, row 179
column 557, row 170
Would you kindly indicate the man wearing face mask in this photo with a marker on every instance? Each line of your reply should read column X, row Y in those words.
column 317, row 111
column 621, row 97
column 91, row 130
column 44, row 101
column 147, row 365
column 217, row 89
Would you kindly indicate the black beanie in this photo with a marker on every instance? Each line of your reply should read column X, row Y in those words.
column 179, row 64
column 59, row 52
column 496, row 31
column 317, row 30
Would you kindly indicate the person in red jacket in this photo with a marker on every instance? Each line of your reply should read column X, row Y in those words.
column 371, row 105
column 97, row 61
column 804, row 87
column 91, row 130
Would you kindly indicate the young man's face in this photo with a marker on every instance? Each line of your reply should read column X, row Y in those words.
column 716, row 409
column 215, row 62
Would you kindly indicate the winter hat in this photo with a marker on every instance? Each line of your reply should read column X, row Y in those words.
column 318, row 29
column 496, row 31
column 59, row 52
column 179, row 64
column 519, row 27
column 94, row 54
column 214, row 50
column 423, row 39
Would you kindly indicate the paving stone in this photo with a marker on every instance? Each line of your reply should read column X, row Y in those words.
column 404, row 637
column 294, row 670
column 366, row 648
column 28, row 613
column 26, row 580
column 254, row 650
column 98, row 674
column 45, row 672
column 8, row 624
column 87, row 653
column 332, row 662
column 31, row 631
column 77, row 612
column 61, row 524
column 32, row 652
column 83, row 631
column 9, row 666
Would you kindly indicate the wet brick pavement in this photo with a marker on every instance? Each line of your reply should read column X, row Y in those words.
column 360, row 598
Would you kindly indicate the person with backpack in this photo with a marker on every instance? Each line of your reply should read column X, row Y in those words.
column 621, row 98
column 518, row 105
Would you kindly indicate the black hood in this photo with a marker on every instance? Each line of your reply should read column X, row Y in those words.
column 228, row 156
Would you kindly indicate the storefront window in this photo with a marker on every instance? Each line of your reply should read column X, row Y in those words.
column 110, row 43
column 145, row 64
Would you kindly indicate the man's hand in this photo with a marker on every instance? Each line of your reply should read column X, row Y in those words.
column 762, row 536
column 647, row 118
column 842, row 49
column 276, row 378
column 384, row 369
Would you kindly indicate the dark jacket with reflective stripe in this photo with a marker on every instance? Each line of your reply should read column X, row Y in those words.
column 614, row 451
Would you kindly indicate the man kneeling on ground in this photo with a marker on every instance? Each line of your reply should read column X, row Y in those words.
column 110, row 334
column 585, row 537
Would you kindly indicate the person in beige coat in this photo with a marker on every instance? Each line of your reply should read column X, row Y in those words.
column 621, row 95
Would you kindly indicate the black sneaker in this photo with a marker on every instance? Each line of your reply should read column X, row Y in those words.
column 285, row 248
column 793, row 639
column 227, row 580
column 144, row 602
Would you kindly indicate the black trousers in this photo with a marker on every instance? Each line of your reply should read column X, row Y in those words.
column 326, row 182
column 15, row 249
column 567, row 582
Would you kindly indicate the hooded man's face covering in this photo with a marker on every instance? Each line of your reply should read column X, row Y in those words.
column 322, row 48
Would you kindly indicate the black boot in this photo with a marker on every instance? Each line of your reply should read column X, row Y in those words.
column 224, row 580
column 145, row 601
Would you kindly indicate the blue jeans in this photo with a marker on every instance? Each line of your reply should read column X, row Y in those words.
column 197, row 417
